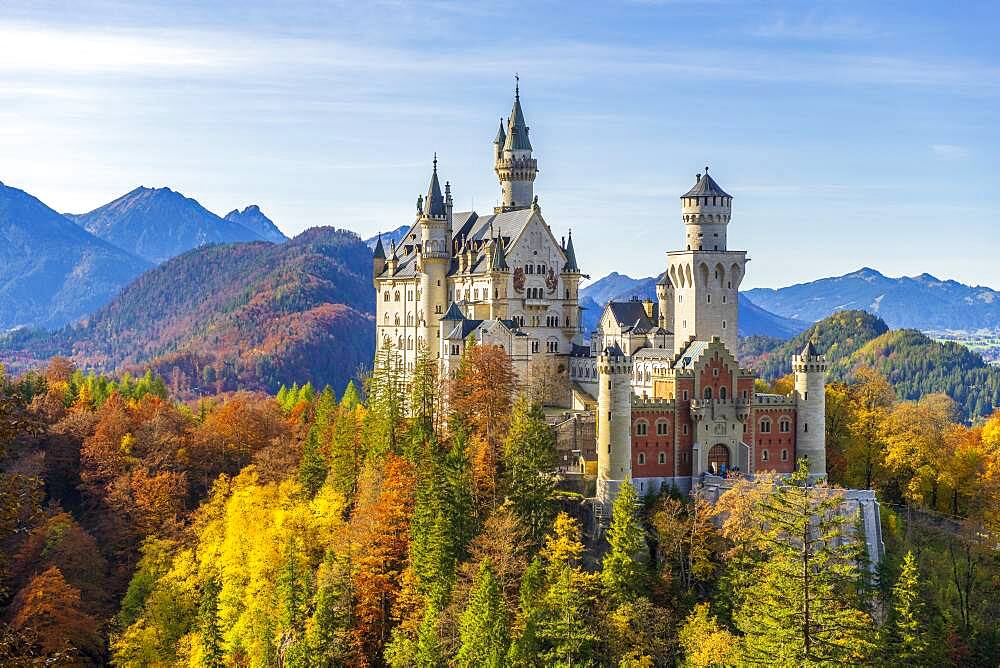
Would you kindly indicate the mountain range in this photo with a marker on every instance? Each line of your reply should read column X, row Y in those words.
column 254, row 220
column 388, row 237
column 159, row 223
column 230, row 316
column 920, row 302
column 754, row 320
column 52, row 271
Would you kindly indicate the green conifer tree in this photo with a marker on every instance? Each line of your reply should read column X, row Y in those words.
column 623, row 574
column 526, row 646
column 800, row 611
column 312, row 467
column 529, row 462
column 208, row 623
column 906, row 636
column 483, row 631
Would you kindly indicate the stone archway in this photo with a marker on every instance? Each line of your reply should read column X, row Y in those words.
column 718, row 459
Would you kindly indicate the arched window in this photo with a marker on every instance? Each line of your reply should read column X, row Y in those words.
column 661, row 427
column 784, row 455
column 722, row 393
column 641, row 427
column 397, row 295
column 642, row 458
column 386, row 298
column 708, row 393
column 763, row 455
column 663, row 458
column 784, row 426
column 765, row 425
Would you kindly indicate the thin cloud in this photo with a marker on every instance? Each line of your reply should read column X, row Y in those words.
column 950, row 151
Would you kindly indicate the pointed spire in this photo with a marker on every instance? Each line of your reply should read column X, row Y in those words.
column 434, row 201
column 571, row 265
column 809, row 350
column 379, row 253
column 499, row 255
column 517, row 129
column 501, row 137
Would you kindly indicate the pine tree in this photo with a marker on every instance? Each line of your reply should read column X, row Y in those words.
column 208, row 623
column 328, row 629
column 623, row 574
column 800, row 609
column 385, row 403
column 526, row 646
column 312, row 467
column 351, row 398
column 906, row 638
column 483, row 629
column 529, row 460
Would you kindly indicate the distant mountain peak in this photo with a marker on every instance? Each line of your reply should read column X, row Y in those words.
column 252, row 218
column 159, row 223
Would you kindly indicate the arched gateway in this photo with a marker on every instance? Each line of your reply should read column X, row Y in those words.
column 718, row 459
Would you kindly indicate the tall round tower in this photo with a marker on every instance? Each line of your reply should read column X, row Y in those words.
column 665, row 299
column 513, row 163
column 810, row 369
column 433, row 261
column 614, row 422
column 706, row 210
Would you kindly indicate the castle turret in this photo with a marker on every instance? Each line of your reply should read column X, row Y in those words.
column 665, row 302
column 706, row 276
column 378, row 259
column 513, row 164
column 571, row 276
column 614, row 422
column 434, row 261
column 810, row 369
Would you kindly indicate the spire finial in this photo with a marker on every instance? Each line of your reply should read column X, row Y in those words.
column 435, row 162
column 517, row 85
column 706, row 170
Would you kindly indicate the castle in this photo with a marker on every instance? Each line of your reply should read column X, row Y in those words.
column 501, row 278
column 672, row 402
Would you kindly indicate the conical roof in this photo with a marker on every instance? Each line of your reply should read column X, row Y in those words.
column 517, row 129
column 665, row 280
column 501, row 137
column 809, row 350
column 705, row 185
column 434, row 202
column 571, row 264
column 499, row 256
column 379, row 252
column 454, row 313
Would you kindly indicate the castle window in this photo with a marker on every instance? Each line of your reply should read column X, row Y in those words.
column 708, row 394
column 663, row 458
column 640, row 428
column 723, row 324
column 685, row 396
column 642, row 458
column 745, row 395
column 722, row 393
column 763, row 455
column 784, row 455
column 765, row 425
column 386, row 298
column 784, row 426
column 661, row 427
column 805, row 427
column 685, row 430
column 437, row 309
column 805, row 396
column 715, row 372
column 397, row 295
column 709, row 298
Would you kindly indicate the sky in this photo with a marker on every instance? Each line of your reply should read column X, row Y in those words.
column 850, row 134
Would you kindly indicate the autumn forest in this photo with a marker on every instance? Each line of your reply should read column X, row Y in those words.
column 370, row 525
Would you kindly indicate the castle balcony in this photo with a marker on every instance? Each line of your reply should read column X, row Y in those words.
column 709, row 408
column 539, row 303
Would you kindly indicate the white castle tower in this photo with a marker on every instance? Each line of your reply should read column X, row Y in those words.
column 706, row 276
column 810, row 369
column 512, row 160
column 433, row 259
column 614, row 422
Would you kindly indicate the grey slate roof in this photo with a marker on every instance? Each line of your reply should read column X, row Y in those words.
column 434, row 202
column 653, row 353
column 809, row 350
column 499, row 262
column 665, row 280
column 706, row 185
column 501, row 135
column 630, row 315
column 688, row 357
column 379, row 252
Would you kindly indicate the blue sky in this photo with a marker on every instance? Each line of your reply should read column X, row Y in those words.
column 850, row 133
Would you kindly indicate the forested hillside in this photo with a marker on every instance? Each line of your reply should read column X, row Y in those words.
column 224, row 317
column 308, row 529
column 915, row 364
